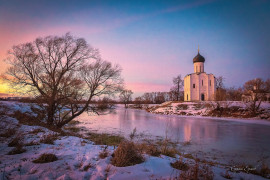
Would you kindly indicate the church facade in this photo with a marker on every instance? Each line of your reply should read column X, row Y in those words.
column 199, row 86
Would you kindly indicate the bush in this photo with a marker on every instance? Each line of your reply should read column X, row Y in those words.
column 15, row 142
column 179, row 164
column 182, row 107
column 85, row 168
column 170, row 151
column 49, row 139
column 25, row 118
column 150, row 149
column 265, row 171
column 103, row 154
column 32, row 143
column 189, row 156
column 36, row 131
column 46, row 158
column 17, row 150
column 196, row 172
column 8, row 133
column 126, row 155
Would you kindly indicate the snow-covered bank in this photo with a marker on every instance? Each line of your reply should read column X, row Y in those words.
column 77, row 158
column 232, row 110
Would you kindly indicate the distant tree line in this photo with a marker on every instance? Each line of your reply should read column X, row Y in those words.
column 176, row 93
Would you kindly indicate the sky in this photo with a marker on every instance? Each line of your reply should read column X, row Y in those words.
column 153, row 41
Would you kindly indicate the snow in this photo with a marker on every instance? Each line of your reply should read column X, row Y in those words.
column 74, row 155
column 201, row 109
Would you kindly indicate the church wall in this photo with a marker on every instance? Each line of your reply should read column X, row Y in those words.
column 200, row 81
column 198, row 67
column 187, row 88
column 194, row 79
column 212, row 87
column 202, row 86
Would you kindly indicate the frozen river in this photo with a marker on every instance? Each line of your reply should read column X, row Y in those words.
column 227, row 141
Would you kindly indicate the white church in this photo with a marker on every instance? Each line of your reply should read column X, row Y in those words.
column 199, row 86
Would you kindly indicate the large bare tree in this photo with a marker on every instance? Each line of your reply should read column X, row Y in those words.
column 62, row 72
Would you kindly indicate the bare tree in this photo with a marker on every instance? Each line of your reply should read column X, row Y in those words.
column 126, row 97
column 267, row 85
column 61, row 72
column 178, row 84
column 220, row 103
column 256, row 89
column 220, row 94
column 220, row 82
column 234, row 94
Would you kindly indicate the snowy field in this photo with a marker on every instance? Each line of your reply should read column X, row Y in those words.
column 77, row 158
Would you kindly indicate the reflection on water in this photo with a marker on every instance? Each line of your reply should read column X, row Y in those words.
column 227, row 140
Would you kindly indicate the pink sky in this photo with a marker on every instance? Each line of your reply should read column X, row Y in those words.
column 153, row 41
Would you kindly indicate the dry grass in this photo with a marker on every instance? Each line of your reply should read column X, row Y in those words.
column 15, row 142
column 72, row 129
column 264, row 171
column 103, row 154
column 32, row 143
column 167, row 147
column 30, row 120
column 189, row 156
column 126, row 154
column 148, row 148
column 88, row 166
column 226, row 175
column 25, row 118
column 105, row 139
column 182, row 107
column 8, row 133
column 197, row 172
column 187, row 143
column 36, row 131
column 179, row 164
column 46, row 158
column 170, row 151
column 49, row 139
column 73, row 122
column 17, row 150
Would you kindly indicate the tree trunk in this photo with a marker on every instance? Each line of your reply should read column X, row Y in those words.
column 50, row 113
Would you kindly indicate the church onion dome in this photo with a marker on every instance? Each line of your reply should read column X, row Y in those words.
column 198, row 58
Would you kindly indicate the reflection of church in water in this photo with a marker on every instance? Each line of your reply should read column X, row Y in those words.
column 199, row 86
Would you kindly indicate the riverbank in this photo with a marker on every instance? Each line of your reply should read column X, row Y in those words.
column 30, row 151
column 227, row 109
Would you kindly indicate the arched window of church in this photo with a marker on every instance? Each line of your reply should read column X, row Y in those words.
column 196, row 68
column 200, row 69
column 202, row 82
column 193, row 85
column 210, row 82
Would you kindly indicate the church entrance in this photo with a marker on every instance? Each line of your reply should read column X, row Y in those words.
column 202, row 97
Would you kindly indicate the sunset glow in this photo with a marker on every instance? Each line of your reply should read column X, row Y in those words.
column 155, row 42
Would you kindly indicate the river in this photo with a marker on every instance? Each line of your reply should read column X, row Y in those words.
column 225, row 141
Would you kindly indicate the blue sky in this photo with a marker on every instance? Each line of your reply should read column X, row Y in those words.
column 153, row 41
